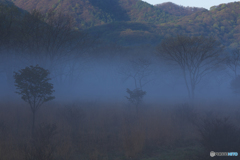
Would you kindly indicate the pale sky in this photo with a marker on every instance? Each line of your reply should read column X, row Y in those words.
column 192, row 3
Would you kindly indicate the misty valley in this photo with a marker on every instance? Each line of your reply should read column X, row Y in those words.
column 75, row 89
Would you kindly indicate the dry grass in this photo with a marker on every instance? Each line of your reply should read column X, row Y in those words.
column 94, row 131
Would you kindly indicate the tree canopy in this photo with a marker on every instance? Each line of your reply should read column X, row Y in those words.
column 196, row 57
column 33, row 85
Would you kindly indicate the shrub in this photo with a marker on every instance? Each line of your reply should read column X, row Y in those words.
column 219, row 135
column 42, row 145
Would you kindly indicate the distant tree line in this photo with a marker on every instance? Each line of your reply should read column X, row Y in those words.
column 48, row 39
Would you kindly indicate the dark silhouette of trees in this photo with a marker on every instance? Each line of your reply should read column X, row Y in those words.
column 9, row 19
column 49, row 35
column 196, row 57
column 6, row 18
column 218, row 134
column 33, row 85
column 51, row 40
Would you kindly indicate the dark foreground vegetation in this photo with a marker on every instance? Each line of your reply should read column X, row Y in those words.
column 101, row 131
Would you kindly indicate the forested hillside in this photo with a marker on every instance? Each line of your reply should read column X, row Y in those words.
column 134, row 22
column 177, row 10
column 222, row 22
column 88, row 13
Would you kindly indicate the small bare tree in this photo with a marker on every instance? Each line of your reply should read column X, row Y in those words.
column 196, row 57
column 139, row 71
column 135, row 97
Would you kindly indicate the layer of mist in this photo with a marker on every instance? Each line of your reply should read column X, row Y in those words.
column 106, row 79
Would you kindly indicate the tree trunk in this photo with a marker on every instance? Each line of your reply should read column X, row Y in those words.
column 186, row 83
column 33, row 123
column 193, row 92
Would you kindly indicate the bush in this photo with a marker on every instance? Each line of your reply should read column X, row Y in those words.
column 42, row 145
column 219, row 135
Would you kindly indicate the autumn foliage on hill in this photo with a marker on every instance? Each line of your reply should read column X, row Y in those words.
column 131, row 22
column 177, row 10
column 88, row 13
column 222, row 22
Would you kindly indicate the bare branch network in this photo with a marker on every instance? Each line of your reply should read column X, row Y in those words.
column 196, row 57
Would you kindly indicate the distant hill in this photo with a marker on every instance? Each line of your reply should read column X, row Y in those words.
column 177, row 10
column 222, row 22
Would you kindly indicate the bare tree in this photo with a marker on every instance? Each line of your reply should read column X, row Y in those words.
column 233, row 61
column 135, row 97
column 139, row 71
column 196, row 57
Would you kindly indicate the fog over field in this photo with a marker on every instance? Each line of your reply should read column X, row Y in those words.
column 97, row 112
column 101, row 79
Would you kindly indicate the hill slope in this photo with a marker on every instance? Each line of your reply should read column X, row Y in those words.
column 177, row 10
column 130, row 22
column 89, row 13
column 222, row 21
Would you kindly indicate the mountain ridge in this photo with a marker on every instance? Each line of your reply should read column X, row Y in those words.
column 178, row 10
column 140, row 22
column 89, row 13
